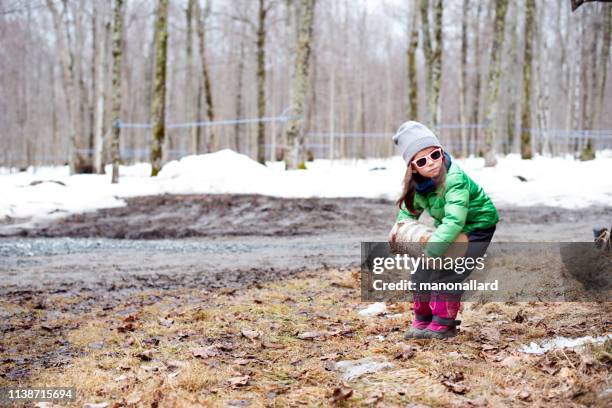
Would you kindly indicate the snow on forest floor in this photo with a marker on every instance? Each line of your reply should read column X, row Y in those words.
column 298, row 341
column 49, row 192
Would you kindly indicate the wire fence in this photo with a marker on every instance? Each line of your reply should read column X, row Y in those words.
column 241, row 136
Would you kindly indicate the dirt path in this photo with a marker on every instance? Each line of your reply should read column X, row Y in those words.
column 228, row 240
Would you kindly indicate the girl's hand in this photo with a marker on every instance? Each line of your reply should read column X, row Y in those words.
column 424, row 239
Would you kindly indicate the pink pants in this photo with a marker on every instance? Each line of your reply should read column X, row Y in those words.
column 435, row 311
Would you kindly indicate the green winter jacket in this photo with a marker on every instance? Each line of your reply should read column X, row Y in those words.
column 463, row 206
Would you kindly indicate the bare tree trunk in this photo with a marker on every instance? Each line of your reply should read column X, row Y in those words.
column 84, row 164
column 592, row 114
column 433, row 59
column 436, row 65
column 542, row 84
column 55, row 142
column 512, row 81
column 195, row 143
column 261, row 80
column 492, row 108
column 362, row 119
column 576, row 88
column 94, row 77
column 605, row 57
column 573, row 44
column 238, row 126
column 101, row 97
column 158, row 108
column 600, row 79
column 294, row 158
column 463, row 79
column 66, row 60
column 530, row 13
column 211, row 144
column 413, row 43
column 332, row 112
column 606, row 53
column 476, row 102
column 198, row 116
column 116, row 89
column 428, row 53
column 361, row 108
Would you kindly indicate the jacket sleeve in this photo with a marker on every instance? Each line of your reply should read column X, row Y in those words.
column 457, row 198
column 404, row 214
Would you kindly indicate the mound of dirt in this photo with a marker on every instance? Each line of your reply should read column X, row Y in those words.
column 182, row 216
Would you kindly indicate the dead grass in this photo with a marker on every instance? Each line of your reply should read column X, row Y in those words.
column 242, row 348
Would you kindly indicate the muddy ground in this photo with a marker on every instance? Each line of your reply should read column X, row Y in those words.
column 228, row 240
column 121, row 260
column 223, row 215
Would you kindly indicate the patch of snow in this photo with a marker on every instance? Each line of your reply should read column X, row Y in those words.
column 229, row 172
column 352, row 369
column 375, row 309
column 561, row 343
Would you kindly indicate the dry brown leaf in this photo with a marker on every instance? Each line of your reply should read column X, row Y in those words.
column 329, row 365
column 374, row 397
column 149, row 368
column 343, row 284
column 238, row 403
column 331, row 356
column 519, row 318
column 309, row 335
column 276, row 346
column 224, row 346
column 165, row 322
column 511, row 361
column 524, row 395
column 405, row 352
column 453, row 380
column 205, row 352
column 549, row 367
column 567, row 374
column 457, row 388
column 250, row 334
column 238, row 381
column 146, row 355
column 490, row 334
column 134, row 398
column 174, row 365
column 126, row 328
column 341, row 394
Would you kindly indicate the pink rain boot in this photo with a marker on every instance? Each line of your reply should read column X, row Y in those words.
column 422, row 317
column 443, row 324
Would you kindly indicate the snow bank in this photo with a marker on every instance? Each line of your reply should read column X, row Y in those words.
column 561, row 343
column 560, row 182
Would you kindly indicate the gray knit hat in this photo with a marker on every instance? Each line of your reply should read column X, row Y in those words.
column 412, row 137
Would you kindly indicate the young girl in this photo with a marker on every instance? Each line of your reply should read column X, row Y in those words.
column 435, row 183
